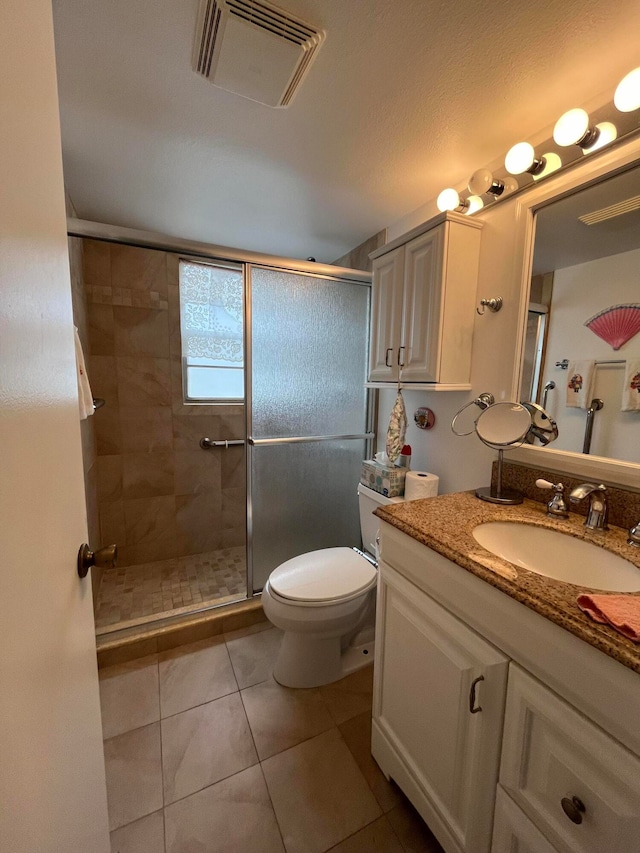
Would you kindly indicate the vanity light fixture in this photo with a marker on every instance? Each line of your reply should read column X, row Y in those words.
column 482, row 181
column 573, row 128
column 627, row 95
column 449, row 199
column 552, row 164
column 522, row 158
column 474, row 203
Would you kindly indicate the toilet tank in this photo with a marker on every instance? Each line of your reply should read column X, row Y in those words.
column 369, row 523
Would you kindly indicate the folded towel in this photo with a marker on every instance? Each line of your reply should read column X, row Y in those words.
column 631, row 387
column 580, row 383
column 622, row 612
column 397, row 429
column 85, row 397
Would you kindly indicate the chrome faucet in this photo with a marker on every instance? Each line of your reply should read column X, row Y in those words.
column 557, row 506
column 598, row 508
column 634, row 535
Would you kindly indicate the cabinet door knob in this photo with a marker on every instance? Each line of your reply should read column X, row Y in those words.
column 105, row 558
column 574, row 808
column 473, row 708
column 386, row 357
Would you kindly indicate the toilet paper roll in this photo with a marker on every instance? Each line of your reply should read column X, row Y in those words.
column 420, row 484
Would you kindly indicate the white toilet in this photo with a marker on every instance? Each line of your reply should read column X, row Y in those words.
column 324, row 601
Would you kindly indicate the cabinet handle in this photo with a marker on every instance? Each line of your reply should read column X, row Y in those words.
column 386, row 357
column 574, row 808
column 400, row 360
column 472, row 695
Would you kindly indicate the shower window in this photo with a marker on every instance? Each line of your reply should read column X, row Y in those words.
column 211, row 321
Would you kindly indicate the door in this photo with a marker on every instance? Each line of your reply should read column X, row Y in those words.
column 52, row 785
column 307, row 414
column 422, row 308
column 386, row 314
column 439, row 700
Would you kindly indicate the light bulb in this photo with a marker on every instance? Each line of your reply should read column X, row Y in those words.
column 482, row 181
column 448, row 200
column 474, row 203
column 552, row 164
column 521, row 158
column 627, row 96
column 571, row 128
column 606, row 133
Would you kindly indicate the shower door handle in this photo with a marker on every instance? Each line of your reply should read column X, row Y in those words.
column 104, row 558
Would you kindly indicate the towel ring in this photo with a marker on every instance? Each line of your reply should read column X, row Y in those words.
column 483, row 401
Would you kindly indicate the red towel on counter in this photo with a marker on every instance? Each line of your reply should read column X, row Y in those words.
column 622, row 612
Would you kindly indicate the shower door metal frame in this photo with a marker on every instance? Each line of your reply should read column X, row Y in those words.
column 251, row 442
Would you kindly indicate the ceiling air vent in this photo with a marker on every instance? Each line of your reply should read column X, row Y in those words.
column 618, row 209
column 254, row 49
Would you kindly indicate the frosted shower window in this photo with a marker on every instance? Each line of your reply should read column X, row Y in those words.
column 211, row 321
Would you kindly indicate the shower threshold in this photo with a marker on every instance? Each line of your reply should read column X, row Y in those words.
column 139, row 595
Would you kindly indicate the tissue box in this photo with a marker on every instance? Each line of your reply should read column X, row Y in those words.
column 389, row 481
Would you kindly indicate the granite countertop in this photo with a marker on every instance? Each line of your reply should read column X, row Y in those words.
column 445, row 524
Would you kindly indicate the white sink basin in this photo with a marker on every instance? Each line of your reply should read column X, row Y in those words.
column 557, row 555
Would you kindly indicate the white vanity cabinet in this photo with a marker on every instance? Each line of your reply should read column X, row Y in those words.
column 424, row 294
column 438, row 703
column 558, row 719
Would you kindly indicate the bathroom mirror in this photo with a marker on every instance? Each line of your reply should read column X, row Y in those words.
column 503, row 424
column 585, row 263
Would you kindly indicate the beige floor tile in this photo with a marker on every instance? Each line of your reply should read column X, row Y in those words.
column 134, row 775
column 319, row 795
column 378, row 837
column 350, row 696
column 194, row 674
column 129, row 696
column 357, row 735
column 281, row 717
column 234, row 816
column 143, row 836
column 253, row 657
column 414, row 834
column 204, row 745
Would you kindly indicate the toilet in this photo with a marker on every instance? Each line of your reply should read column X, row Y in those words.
column 324, row 601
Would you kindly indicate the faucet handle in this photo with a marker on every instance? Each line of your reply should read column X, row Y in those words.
column 634, row 536
column 557, row 506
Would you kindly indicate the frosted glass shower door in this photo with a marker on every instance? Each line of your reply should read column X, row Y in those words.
column 307, row 421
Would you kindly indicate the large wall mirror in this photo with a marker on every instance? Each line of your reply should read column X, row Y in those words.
column 579, row 343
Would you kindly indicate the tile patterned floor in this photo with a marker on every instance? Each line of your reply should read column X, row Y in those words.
column 133, row 595
column 204, row 751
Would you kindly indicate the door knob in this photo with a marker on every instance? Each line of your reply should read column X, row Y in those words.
column 104, row 558
column 574, row 808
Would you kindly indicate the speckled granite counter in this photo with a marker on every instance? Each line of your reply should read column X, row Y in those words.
column 445, row 524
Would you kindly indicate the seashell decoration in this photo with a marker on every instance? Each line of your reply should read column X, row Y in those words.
column 616, row 325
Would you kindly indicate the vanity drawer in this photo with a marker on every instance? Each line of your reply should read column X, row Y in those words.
column 551, row 754
column 513, row 832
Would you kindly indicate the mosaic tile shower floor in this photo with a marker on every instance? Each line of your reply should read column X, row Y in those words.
column 134, row 595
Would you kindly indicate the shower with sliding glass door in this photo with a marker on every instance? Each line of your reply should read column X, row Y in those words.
column 235, row 421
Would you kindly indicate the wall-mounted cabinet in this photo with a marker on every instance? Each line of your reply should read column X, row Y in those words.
column 424, row 295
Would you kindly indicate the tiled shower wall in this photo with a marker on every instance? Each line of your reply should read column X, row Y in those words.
column 159, row 494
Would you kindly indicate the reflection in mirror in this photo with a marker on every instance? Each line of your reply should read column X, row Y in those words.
column 543, row 427
column 586, row 261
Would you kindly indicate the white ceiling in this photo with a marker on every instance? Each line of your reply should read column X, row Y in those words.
column 406, row 97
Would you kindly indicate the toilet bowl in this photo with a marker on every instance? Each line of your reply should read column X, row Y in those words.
column 324, row 602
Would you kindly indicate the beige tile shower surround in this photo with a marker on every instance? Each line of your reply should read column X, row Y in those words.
column 205, row 751
column 160, row 496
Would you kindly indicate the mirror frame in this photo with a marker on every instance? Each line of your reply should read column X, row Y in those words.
column 593, row 169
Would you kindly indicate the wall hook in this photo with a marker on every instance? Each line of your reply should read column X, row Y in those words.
column 494, row 305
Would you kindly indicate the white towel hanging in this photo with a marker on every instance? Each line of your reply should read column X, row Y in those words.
column 631, row 387
column 85, row 397
column 580, row 382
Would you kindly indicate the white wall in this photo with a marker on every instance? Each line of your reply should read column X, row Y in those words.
column 579, row 292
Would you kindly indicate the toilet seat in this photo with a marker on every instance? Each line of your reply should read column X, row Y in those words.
column 322, row 577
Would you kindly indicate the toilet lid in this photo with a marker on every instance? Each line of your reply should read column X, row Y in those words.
column 326, row 575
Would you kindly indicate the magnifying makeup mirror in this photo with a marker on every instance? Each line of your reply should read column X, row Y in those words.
column 504, row 424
